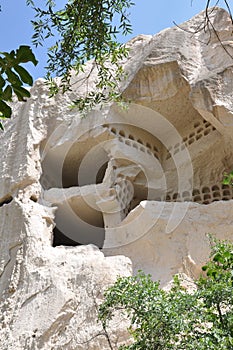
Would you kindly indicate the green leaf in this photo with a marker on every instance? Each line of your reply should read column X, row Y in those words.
column 13, row 78
column 24, row 54
column 9, row 56
column 2, row 82
column 24, row 75
column 218, row 258
column 5, row 110
column 226, row 181
column 7, row 93
column 21, row 93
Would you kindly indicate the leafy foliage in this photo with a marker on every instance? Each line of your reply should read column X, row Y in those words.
column 13, row 77
column 85, row 31
column 177, row 319
column 228, row 179
column 216, row 291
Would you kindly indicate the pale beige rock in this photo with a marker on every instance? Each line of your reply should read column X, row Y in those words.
column 50, row 295
column 144, row 184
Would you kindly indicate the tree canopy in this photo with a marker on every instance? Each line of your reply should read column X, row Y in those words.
column 177, row 319
column 83, row 30
column 13, row 77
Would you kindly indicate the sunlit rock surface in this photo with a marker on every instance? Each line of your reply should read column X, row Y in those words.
column 143, row 184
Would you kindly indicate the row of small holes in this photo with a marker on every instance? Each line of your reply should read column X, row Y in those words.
column 146, row 146
column 206, row 195
column 202, row 129
column 135, row 145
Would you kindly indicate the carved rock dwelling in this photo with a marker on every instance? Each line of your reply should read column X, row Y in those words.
column 83, row 200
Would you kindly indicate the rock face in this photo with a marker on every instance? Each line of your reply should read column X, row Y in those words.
column 143, row 184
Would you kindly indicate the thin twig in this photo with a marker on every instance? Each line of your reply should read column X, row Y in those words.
column 207, row 25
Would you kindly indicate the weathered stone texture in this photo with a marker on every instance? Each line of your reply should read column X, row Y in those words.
column 144, row 184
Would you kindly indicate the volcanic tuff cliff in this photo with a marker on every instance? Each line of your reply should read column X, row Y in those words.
column 144, row 185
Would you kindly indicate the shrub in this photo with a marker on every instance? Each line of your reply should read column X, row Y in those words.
column 177, row 319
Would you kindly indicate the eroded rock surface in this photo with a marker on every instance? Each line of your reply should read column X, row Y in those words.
column 144, row 185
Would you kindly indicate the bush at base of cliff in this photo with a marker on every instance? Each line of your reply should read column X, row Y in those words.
column 177, row 319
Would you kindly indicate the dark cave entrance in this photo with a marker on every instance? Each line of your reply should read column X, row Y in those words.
column 78, row 223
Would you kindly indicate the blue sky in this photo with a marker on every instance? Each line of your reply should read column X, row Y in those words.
column 147, row 17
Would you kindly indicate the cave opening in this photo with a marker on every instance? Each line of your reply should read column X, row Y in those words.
column 77, row 222
column 6, row 200
column 60, row 238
